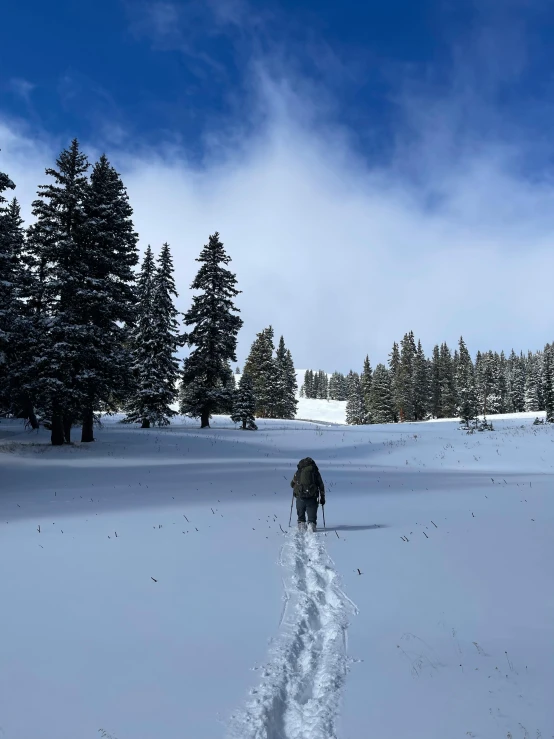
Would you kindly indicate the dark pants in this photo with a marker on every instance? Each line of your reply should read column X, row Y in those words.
column 309, row 506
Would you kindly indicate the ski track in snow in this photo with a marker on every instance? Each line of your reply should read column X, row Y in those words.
column 299, row 695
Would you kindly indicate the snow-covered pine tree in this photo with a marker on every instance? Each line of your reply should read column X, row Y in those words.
column 355, row 410
column 105, row 309
column 54, row 249
column 435, row 383
column 322, row 385
column 365, row 380
column 287, row 403
column 394, row 368
column 244, row 404
column 265, row 375
column 214, row 336
column 9, row 284
column 381, row 400
column 465, row 385
column 343, row 387
column 532, row 383
column 315, row 384
column 405, row 378
column 308, row 384
column 548, row 382
column 420, row 384
column 516, row 387
column 448, row 396
column 143, row 398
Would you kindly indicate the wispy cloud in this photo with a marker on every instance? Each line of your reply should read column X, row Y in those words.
column 22, row 88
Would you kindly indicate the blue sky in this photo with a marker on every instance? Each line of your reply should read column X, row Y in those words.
column 400, row 151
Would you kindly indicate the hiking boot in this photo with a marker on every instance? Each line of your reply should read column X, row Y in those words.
column 312, row 527
column 301, row 526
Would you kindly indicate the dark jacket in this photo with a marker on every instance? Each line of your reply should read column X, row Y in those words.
column 319, row 481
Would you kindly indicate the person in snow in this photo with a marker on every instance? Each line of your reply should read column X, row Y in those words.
column 309, row 491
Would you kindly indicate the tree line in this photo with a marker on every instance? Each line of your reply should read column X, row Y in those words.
column 448, row 384
column 82, row 332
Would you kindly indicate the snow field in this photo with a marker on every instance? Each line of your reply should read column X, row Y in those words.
column 443, row 541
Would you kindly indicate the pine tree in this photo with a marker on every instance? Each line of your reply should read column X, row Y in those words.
column 244, row 404
column 532, row 383
column 265, row 375
column 381, row 400
column 448, row 395
column 11, row 243
column 214, row 336
column 287, row 402
column 394, row 367
column 548, row 382
column 516, row 387
column 365, row 379
column 465, row 382
column 435, row 384
column 315, row 384
column 54, row 247
column 144, row 401
column 355, row 410
column 308, row 384
column 420, row 384
column 105, row 308
column 405, row 379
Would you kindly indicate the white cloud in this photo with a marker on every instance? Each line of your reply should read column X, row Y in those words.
column 342, row 258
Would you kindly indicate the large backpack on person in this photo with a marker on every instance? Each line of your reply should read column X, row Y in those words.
column 306, row 479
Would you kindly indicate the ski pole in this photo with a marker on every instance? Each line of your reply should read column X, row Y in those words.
column 291, row 504
column 323, row 511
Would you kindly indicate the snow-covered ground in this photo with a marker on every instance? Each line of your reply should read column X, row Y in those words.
column 151, row 588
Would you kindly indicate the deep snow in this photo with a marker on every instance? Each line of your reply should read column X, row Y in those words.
column 201, row 614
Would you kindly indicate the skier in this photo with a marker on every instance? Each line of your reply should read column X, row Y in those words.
column 308, row 490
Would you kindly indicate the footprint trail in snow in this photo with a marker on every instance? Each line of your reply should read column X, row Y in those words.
column 300, row 691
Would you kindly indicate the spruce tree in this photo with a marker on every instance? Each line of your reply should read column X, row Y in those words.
column 448, row 395
column 244, row 404
column 265, row 375
column 53, row 243
column 517, row 382
column 435, row 383
column 420, row 384
column 10, row 279
column 365, row 379
column 355, row 410
column 316, row 384
column 214, row 336
column 548, row 382
column 405, row 379
column 394, row 367
column 381, row 400
column 143, row 400
column 287, row 402
column 465, row 382
column 532, row 383
column 105, row 309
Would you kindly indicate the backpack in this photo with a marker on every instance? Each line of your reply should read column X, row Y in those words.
column 306, row 479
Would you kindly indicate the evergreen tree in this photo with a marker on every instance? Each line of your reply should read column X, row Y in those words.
column 214, row 336
column 448, row 395
column 405, row 378
column 365, row 379
column 355, row 410
column 265, row 375
column 435, row 383
column 244, row 404
column 381, row 400
column 144, row 401
column 516, row 382
column 55, row 249
column 394, row 367
column 548, row 382
column 287, row 402
column 106, row 295
column 465, row 381
column 420, row 384
column 316, row 376
column 532, row 382
column 308, row 384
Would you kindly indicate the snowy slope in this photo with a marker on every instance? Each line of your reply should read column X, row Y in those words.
column 425, row 610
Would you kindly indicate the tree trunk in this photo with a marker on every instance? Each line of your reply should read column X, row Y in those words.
column 87, row 433
column 205, row 420
column 29, row 413
column 244, row 424
column 57, row 434
column 67, row 422
column 145, row 423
